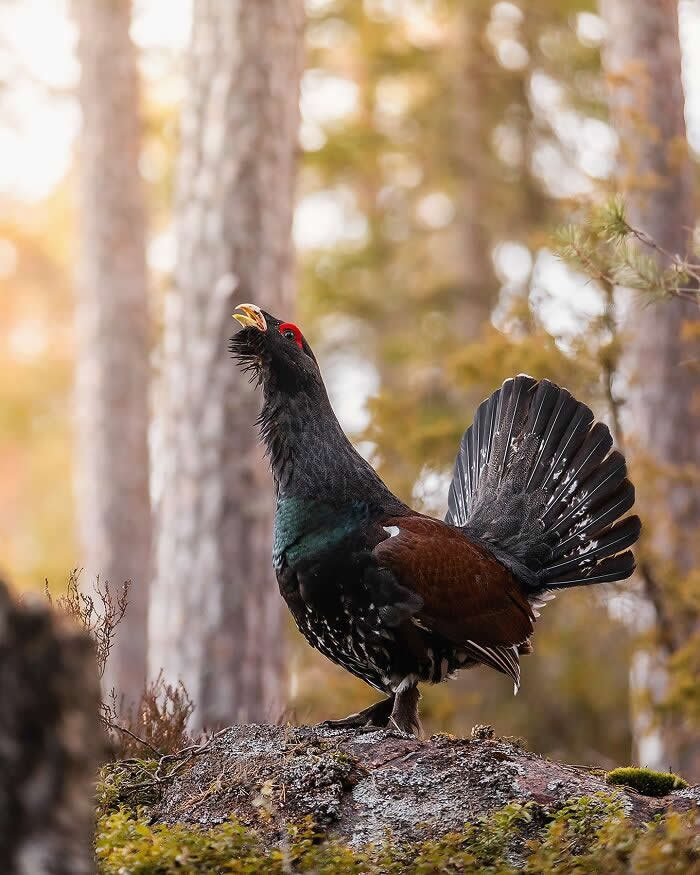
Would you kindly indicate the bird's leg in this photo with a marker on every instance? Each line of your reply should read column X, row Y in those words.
column 377, row 715
column 404, row 714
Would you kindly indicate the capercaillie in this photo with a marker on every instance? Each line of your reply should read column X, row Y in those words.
column 536, row 505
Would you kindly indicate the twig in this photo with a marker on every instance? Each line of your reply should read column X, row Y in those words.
column 610, row 367
column 143, row 741
column 185, row 756
column 644, row 238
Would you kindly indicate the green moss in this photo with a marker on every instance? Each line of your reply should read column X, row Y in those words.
column 576, row 844
column 485, row 846
column 586, row 836
column 126, row 843
column 122, row 783
column 646, row 781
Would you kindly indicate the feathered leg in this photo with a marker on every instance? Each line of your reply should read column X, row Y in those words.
column 404, row 715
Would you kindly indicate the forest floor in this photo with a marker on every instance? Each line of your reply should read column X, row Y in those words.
column 288, row 798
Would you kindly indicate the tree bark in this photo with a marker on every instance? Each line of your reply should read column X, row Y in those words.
column 112, row 327
column 643, row 66
column 216, row 618
column 473, row 161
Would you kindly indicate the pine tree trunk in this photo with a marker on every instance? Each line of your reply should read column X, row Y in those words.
column 216, row 618
column 473, row 161
column 643, row 66
column 112, row 327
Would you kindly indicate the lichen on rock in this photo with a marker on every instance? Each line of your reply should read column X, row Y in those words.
column 358, row 788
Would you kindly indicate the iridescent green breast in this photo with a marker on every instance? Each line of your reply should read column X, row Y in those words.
column 305, row 528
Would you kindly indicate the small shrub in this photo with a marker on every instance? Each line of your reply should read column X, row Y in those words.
column 646, row 781
column 158, row 724
column 99, row 614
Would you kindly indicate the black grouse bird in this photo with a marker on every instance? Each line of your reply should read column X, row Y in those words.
column 397, row 597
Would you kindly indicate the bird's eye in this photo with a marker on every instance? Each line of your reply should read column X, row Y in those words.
column 291, row 332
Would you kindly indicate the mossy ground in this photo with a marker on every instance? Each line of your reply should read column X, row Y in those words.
column 296, row 800
column 646, row 781
column 588, row 835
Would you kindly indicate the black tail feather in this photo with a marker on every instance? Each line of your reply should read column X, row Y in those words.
column 552, row 432
column 602, row 484
column 535, row 480
column 588, row 526
column 591, row 453
column 607, row 571
column 616, row 538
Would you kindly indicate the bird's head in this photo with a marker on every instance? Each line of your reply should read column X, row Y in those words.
column 273, row 351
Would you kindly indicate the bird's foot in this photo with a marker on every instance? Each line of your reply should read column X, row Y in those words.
column 377, row 716
column 394, row 729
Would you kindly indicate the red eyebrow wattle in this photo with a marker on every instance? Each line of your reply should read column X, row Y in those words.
column 290, row 326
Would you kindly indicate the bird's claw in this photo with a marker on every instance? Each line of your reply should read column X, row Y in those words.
column 374, row 717
column 350, row 725
column 394, row 729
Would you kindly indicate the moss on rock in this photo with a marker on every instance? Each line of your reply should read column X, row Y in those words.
column 646, row 781
column 588, row 835
column 279, row 800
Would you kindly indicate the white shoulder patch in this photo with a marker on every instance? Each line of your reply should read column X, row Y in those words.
column 392, row 531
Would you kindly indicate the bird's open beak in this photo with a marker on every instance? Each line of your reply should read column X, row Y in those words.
column 250, row 317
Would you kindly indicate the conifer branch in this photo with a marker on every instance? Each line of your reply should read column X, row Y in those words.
column 611, row 251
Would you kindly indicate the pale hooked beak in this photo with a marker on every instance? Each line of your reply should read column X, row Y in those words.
column 251, row 317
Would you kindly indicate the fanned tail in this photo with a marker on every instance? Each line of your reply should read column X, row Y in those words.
column 536, row 481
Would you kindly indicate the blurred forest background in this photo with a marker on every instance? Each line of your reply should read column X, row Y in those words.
column 428, row 187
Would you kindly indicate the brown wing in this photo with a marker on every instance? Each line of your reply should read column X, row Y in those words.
column 467, row 595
